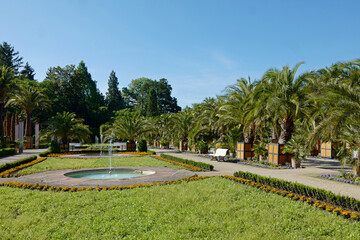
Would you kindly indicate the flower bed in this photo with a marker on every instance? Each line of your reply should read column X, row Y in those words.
column 345, row 178
column 37, row 186
column 9, row 172
column 94, row 152
column 348, row 214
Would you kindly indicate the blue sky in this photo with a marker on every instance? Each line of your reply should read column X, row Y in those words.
column 200, row 46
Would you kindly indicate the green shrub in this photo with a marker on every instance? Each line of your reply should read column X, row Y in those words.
column 17, row 163
column 142, row 146
column 54, row 147
column 190, row 162
column 7, row 151
column 301, row 189
column 44, row 154
column 202, row 146
column 151, row 152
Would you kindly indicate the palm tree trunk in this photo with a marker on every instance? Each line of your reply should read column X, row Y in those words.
column 28, row 124
column 1, row 120
column 287, row 128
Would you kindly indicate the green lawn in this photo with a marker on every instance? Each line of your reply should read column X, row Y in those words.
column 61, row 163
column 208, row 209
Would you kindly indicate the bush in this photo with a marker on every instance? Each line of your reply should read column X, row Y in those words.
column 17, row 163
column 44, row 154
column 142, row 147
column 54, row 147
column 7, row 151
column 190, row 162
column 301, row 189
column 151, row 152
column 202, row 146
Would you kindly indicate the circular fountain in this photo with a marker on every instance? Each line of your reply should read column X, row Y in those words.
column 104, row 174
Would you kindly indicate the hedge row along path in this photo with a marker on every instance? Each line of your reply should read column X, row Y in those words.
column 25, row 154
column 309, row 176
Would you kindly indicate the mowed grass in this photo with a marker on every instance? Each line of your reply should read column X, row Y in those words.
column 214, row 208
column 68, row 163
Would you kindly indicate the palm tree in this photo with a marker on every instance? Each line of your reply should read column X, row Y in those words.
column 283, row 96
column 29, row 98
column 129, row 125
column 67, row 127
column 183, row 123
column 7, row 83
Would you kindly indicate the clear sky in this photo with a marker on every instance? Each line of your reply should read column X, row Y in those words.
column 200, row 46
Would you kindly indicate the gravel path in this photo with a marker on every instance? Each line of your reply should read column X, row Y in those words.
column 308, row 176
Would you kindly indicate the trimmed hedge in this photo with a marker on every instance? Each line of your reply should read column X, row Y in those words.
column 44, row 154
column 17, row 163
column 190, row 162
column 301, row 189
column 7, row 151
column 151, row 152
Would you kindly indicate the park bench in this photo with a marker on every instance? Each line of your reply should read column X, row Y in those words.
column 72, row 146
column 219, row 154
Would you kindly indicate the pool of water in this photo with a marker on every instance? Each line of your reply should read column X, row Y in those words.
column 106, row 174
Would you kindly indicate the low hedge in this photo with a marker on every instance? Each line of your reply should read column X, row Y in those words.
column 190, row 162
column 151, row 152
column 7, row 151
column 301, row 189
column 17, row 163
column 44, row 154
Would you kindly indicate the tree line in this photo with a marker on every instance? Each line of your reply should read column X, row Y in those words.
column 71, row 89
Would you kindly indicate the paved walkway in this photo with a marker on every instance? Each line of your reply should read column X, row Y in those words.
column 26, row 153
column 308, row 176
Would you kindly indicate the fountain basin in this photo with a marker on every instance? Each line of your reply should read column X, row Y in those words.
column 104, row 174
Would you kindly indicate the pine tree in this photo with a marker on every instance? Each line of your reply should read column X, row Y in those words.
column 9, row 57
column 114, row 100
column 28, row 72
column 152, row 104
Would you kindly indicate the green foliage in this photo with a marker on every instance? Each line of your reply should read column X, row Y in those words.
column 44, row 154
column 114, row 100
column 129, row 125
column 28, row 72
column 9, row 57
column 137, row 95
column 66, row 126
column 17, row 163
column 151, row 152
column 260, row 151
column 142, row 146
column 7, row 151
column 190, row 162
column 301, row 189
column 54, row 147
column 202, row 146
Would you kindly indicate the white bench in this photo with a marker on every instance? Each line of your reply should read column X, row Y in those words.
column 72, row 146
column 219, row 153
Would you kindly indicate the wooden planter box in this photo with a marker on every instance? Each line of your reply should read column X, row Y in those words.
column 64, row 147
column 131, row 147
column 327, row 149
column 276, row 155
column 243, row 151
column 28, row 142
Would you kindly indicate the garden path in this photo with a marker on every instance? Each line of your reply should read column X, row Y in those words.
column 308, row 175
column 26, row 153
